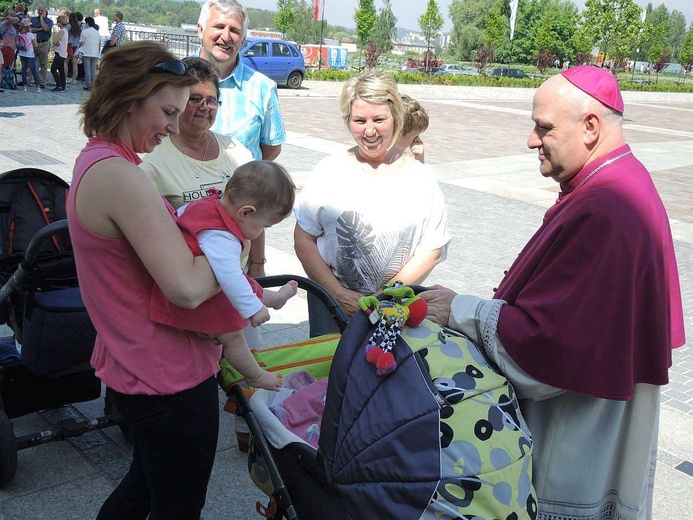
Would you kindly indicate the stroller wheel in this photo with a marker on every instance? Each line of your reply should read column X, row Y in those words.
column 109, row 408
column 8, row 450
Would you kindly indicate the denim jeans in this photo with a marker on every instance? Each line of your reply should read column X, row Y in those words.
column 174, row 442
column 29, row 63
column 89, row 69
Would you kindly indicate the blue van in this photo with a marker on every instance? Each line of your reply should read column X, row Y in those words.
column 279, row 60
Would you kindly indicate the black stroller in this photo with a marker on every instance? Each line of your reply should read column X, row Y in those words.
column 292, row 487
column 439, row 436
column 45, row 362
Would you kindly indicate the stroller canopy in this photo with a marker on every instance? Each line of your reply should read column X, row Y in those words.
column 441, row 437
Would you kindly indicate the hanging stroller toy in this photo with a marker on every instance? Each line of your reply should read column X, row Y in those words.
column 402, row 308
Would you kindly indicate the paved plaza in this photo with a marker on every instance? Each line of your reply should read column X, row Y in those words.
column 495, row 199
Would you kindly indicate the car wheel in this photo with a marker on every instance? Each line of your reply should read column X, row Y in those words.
column 294, row 80
column 8, row 450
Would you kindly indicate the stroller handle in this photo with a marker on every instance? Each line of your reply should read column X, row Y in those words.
column 30, row 255
column 34, row 247
column 312, row 287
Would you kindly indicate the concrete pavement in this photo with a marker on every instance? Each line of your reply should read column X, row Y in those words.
column 495, row 200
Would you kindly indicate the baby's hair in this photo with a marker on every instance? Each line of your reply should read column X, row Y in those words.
column 415, row 116
column 263, row 184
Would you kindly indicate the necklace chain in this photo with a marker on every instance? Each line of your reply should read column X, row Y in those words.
column 600, row 168
column 204, row 156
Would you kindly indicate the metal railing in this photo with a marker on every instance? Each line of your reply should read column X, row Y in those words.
column 181, row 45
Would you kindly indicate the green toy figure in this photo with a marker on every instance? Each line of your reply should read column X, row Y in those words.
column 389, row 316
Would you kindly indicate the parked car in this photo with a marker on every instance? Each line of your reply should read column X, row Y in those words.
column 279, row 60
column 457, row 70
column 508, row 73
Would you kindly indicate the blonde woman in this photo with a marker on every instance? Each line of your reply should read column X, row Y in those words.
column 372, row 216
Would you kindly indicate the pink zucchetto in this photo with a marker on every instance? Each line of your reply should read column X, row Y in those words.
column 598, row 83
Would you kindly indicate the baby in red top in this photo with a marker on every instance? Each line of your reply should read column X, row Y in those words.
column 259, row 195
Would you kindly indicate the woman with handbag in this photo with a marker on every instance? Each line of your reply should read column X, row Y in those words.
column 73, row 34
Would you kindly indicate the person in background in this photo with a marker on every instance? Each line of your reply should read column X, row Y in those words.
column 250, row 110
column 73, row 36
column 27, row 56
column 90, row 44
column 415, row 123
column 250, row 104
column 8, row 33
column 42, row 27
column 101, row 24
column 118, row 33
column 584, row 321
column 60, row 55
column 163, row 380
column 348, row 237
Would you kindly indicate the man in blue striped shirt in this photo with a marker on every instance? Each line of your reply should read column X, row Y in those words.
column 249, row 108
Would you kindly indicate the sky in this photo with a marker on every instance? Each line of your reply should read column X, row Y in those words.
column 341, row 12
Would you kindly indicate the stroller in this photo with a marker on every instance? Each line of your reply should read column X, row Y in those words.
column 441, row 436
column 45, row 362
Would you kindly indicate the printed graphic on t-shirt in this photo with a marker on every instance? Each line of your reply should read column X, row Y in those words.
column 365, row 260
column 208, row 188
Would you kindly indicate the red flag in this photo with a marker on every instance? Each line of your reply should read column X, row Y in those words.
column 317, row 10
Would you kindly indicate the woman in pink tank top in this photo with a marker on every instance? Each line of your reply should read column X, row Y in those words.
column 125, row 240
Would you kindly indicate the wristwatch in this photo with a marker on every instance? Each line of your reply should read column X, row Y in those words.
column 261, row 261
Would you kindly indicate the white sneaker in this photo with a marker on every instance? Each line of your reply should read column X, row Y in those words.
column 38, row 89
column 25, row 89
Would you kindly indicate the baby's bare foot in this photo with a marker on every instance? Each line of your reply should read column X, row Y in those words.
column 287, row 291
column 266, row 380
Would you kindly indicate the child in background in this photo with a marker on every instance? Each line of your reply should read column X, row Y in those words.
column 259, row 195
column 415, row 123
column 28, row 55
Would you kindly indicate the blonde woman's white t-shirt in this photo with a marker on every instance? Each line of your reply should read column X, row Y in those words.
column 370, row 223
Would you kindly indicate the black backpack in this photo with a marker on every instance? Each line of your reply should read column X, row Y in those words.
column 36, row 204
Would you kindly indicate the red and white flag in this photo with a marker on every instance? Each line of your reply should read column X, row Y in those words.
column 317, row 10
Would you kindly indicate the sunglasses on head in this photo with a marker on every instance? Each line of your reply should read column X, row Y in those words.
column 176, row 67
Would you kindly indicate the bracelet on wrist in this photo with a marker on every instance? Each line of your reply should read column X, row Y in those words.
column 260, row 261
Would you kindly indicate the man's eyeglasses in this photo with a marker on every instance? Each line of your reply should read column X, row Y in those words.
column 176, row 67
column 198, row 101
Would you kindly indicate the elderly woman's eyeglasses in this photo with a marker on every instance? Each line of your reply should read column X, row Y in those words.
column 176, row 67
column 197, row 101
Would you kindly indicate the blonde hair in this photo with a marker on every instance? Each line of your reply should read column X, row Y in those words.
column 263, row 184
column 415, row 116
column 377, row 89
column 124, row 79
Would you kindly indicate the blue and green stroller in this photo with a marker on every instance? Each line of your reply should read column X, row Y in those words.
column 441, row 436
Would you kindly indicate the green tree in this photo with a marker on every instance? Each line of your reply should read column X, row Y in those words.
column 687, row 52
column 556, row 29
column 285, row 17
column 385, row 28
column 496, row 28
column 614, row 25
column 304, row 29
column 365, row 18
column 431, row 22
column 677, row 33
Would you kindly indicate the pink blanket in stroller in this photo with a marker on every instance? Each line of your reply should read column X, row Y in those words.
column 301, row 412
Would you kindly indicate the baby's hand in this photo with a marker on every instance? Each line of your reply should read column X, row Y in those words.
column 417, row 147
column 260, row 317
